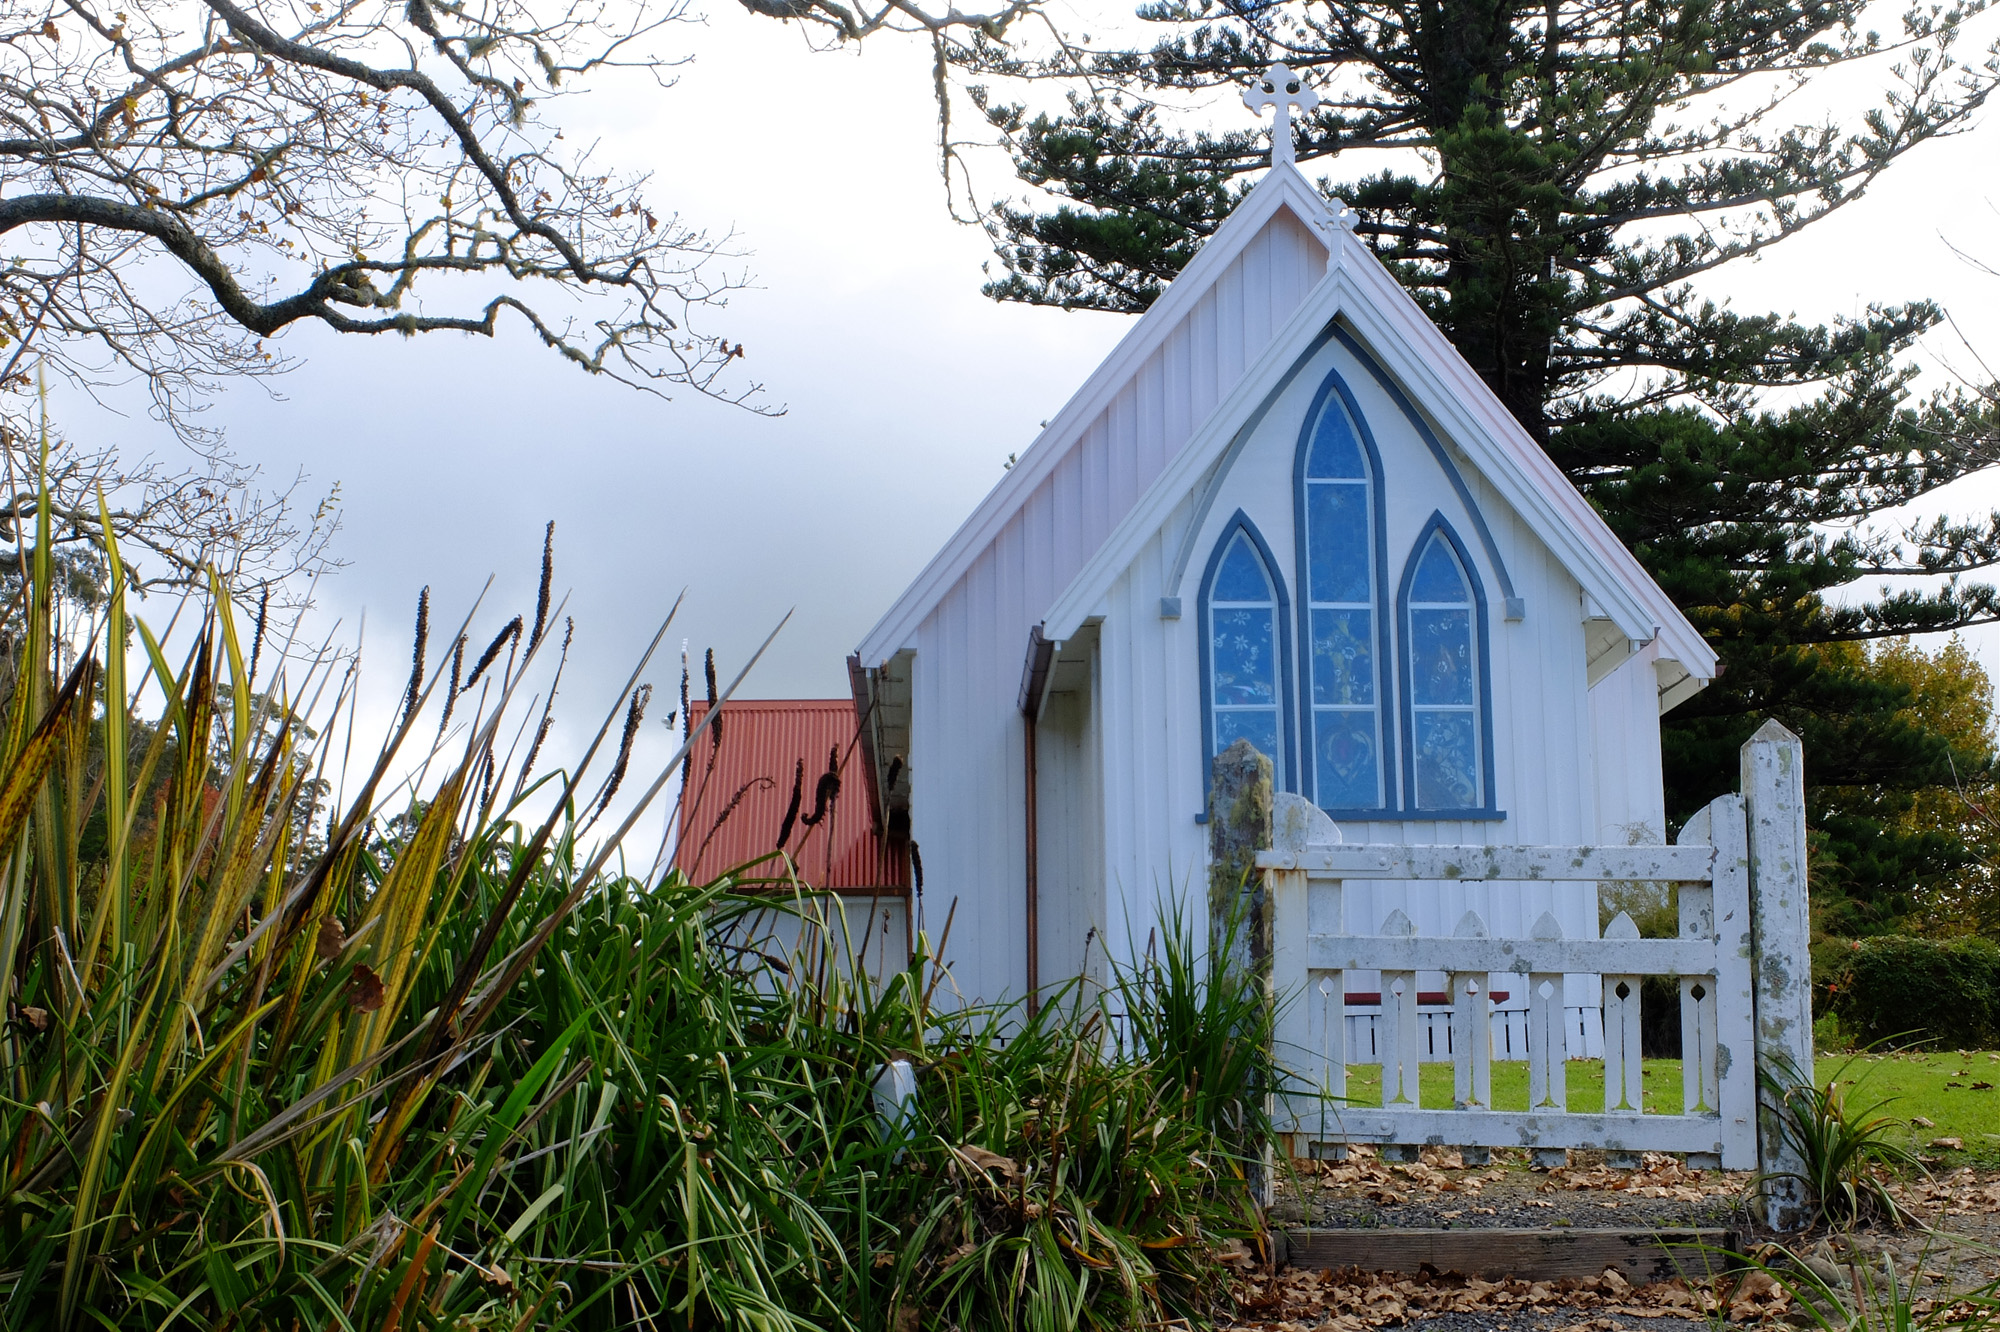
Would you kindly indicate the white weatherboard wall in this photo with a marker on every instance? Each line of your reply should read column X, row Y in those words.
column 1150, row 705
column 966, row 742
column 1625, row 744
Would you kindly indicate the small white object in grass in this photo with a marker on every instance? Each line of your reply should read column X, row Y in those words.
column 1918, row 1121
column 895, row 1092
column 1948, row 1144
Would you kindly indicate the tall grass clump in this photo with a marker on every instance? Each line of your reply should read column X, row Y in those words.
column 425, row 1061
column 1845, row 1150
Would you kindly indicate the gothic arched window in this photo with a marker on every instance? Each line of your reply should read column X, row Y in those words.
column 1339, row 503
column 1448, row 741
column 1246, row 648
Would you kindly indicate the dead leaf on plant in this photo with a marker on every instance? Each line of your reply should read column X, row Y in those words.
column 332, row 939
column 366, row 991
column 981, row 1159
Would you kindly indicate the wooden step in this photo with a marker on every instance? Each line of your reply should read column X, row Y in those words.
column 1539, row 1254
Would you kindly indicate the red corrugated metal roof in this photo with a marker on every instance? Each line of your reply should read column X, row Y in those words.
column 733, row 806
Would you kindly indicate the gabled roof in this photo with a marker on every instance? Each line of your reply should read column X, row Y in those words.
column 1279, row 190
column 1360, row 292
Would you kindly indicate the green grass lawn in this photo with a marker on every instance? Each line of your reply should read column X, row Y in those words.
column 1510, row 1085
column 1937, row 1087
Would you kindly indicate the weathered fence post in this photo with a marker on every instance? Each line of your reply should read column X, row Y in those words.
column 1239, row 826
column 1773, row 775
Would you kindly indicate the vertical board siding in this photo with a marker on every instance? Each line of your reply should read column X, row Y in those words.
column 1151, row 704
column 966, row 742
column 1628, row 787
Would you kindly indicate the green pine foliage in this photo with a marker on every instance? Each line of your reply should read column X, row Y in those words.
column 1561, row 186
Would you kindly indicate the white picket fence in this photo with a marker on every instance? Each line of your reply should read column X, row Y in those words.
column 1370, row 1025
column 1314, row 946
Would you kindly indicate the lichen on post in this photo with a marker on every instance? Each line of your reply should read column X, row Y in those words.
column 1239, row 826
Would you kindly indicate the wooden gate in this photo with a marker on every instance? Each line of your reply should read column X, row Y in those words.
column 1314, row 944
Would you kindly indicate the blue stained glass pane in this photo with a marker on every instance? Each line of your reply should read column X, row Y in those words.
column 1335, row 450
column 1241, row 575
column 1242, row 657
column 1347, row 760
column 1447, row 761
column 1441, row 657
column 1337, row 541
column 1257, row 725
column 1343, row 657
column 1437, row 577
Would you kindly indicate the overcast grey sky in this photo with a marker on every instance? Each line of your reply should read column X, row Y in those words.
column 904, row 389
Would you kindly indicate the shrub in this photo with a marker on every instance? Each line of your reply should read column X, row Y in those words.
column 1907, row 991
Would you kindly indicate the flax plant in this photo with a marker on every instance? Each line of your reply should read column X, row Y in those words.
column 431, row 1063
column 252, row 1083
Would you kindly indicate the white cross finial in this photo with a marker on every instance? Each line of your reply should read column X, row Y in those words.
column 1284, row 90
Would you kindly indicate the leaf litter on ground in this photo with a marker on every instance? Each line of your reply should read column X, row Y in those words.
column 1349, row 1300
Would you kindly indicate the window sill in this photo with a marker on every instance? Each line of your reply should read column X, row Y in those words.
column 1416, row 815
column 1405, row 816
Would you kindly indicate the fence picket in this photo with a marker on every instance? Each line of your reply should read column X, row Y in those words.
column 1730, row 1013
column 1402, row 1053
column 1292, row 1030
column 1548, row 1034
column 1471, row 1027
column 1624, row 1092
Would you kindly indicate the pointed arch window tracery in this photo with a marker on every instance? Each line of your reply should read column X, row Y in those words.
column 1246, row 649
column 1447, row 712
column 1338, row 491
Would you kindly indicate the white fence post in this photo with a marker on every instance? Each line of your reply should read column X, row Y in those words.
column 1773, row 775
column 1291, row 1033
column 1311, row 1027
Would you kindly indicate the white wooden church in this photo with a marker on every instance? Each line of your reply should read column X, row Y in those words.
column 1283, row 509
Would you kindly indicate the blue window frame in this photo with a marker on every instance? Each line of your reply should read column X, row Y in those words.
column 1447, row 707
column 1246, row 649
column 1338, row 493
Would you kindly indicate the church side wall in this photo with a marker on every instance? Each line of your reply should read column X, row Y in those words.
column 966, row 764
